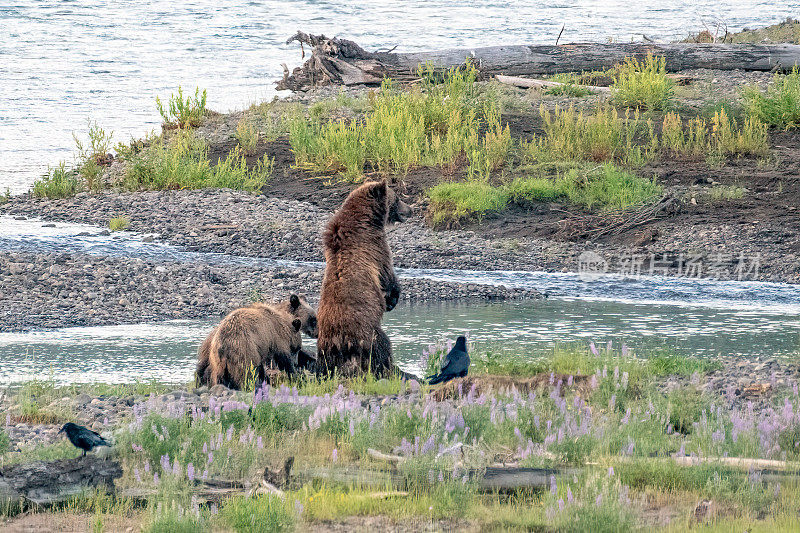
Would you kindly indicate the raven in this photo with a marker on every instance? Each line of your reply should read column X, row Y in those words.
column 456, row 363
column 82, row 437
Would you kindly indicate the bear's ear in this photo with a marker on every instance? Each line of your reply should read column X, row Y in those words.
column 296, row 324
column 294, row 301
column 379, row 191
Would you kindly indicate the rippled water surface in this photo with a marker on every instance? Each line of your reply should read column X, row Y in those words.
column 63, row 62
column 650, row 314
column 166, row 351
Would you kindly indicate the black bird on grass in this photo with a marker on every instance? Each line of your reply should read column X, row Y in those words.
column 455, row 364
column 82, row 437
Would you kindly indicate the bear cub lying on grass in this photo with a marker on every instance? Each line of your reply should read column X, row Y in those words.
column 254, row 338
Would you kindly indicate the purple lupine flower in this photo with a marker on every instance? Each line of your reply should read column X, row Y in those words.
column 624, row 350
column 612, row 402
column 569, row 382
column 553, row 486
column 205, row 474
column 229, row 436
column 599, row 500
column 593, row 348
column 334, row 455
column 190, row 471
column 136, row 473
column 624, row 382
column 608, row 346
column 210, row 457
column 147, row 466
column 205, row 447
column 569, row 495
column 610, row 471
column 298, row 507
column 155, row 478
column 561, row 504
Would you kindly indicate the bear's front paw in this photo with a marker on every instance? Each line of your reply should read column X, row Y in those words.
column 392, row 297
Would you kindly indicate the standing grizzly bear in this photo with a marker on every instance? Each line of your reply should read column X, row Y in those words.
column 254, row 338
column 359, row 284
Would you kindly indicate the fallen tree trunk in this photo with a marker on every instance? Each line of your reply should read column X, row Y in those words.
column 46, row 483
column 528, row 83
column 342, row 62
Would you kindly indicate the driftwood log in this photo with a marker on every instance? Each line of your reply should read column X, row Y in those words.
column 46, row 483
column 338, row 61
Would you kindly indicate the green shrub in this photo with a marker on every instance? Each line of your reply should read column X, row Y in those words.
column 452, row 203
column 262, row 513
column 118, row 223
column 182, row 163
column 182, row 112
column 643, row 84
column 57, row 183
column 780, row 104
column 528, row 189
column 604, row 135
column 438, row 124
column 247, row 136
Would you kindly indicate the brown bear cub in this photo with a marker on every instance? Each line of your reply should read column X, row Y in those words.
column 253, row 339
column 359, row 284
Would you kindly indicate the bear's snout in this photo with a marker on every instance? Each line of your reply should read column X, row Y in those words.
column 401, row 211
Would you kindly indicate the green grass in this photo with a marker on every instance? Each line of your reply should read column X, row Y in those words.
column 246, row 136
column 456, row 202
column 182, row 163
column 779, row 105
column 118, row 223
column 253, row 515
column 602, row 135
column 183, row 112
column 643, row 84
column 606, row 187
column 59, row 182
column 440, row 124
column 724, row 193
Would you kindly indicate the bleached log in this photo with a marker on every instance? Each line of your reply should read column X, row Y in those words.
column 342, row 62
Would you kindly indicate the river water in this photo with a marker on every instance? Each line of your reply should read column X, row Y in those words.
column 704, row 318
column 64, row 62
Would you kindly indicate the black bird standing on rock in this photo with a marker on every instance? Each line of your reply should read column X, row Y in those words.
column 455, row 365
column 83, row 438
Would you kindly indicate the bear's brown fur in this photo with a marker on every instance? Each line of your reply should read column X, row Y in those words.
column 359, row 284
column 252, row 339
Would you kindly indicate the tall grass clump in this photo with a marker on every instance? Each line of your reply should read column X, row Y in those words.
column 643, row 84
column 780, row 105
column 246, row 136
column 452, row 203
column 182, row 163
column 436, row 124
column 253, row 515
column 182, row 112
column 604, row 135
column 58, row 182
column 118, row 223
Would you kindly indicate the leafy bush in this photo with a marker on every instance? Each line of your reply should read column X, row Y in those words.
column 643, row 84
column 182, row 112
column 780, row 104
